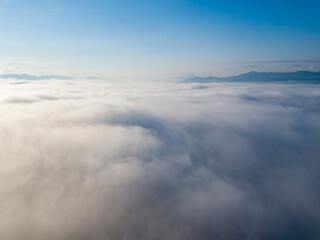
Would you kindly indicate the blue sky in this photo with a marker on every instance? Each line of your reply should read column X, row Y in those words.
column 158, row 40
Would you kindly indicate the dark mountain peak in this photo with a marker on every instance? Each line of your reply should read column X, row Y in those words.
column 253, row 76
column 252, row 72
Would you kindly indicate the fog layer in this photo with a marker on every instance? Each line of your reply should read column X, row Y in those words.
column 91, row 160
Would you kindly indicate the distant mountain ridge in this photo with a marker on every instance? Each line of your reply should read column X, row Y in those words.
column 261, row 77
column 34, row 77
column 23, row 76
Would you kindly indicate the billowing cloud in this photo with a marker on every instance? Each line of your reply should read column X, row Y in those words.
column 93, row 160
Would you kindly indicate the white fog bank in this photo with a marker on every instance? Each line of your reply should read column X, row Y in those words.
column 92, row 160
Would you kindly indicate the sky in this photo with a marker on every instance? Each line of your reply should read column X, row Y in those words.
column 158, row 40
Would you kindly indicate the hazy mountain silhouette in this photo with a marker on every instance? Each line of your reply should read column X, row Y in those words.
column 34, row 77
column 261, row 77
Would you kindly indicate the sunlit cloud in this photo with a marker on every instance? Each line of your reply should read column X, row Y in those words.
column 95, row 160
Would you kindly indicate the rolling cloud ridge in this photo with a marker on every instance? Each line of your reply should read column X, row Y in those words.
column 96, row 160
